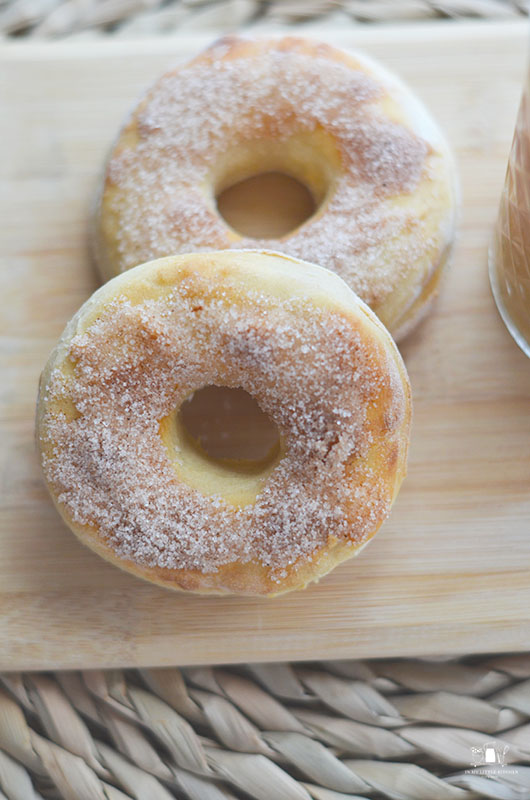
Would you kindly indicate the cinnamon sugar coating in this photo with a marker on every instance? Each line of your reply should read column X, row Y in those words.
column 331, row 383
column 335, row 121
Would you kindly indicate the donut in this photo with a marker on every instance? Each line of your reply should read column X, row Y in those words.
column 379, row 170
column 132, row 486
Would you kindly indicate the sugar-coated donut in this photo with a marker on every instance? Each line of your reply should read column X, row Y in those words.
column 377, row 166
column 128, row 482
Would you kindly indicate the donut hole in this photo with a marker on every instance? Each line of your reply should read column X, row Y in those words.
column 268, row 188
column 228, row 425
column 221, row 442
column 266, row 206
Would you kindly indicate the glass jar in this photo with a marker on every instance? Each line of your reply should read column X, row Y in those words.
column 509, row 263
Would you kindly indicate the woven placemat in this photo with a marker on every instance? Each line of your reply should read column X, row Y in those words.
column 405, row 729
column 60, row 18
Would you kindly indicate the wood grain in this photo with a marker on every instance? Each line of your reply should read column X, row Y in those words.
column 450, row 571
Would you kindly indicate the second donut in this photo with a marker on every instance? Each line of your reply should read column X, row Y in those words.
column 378, row 169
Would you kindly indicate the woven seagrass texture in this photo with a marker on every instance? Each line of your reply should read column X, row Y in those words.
column 329, row 731
column 60, row 18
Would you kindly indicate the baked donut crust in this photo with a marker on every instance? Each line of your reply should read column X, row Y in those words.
column 292, row 334
column 379, row 169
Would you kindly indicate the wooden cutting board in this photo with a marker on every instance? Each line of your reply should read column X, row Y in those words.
column 450, row 571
